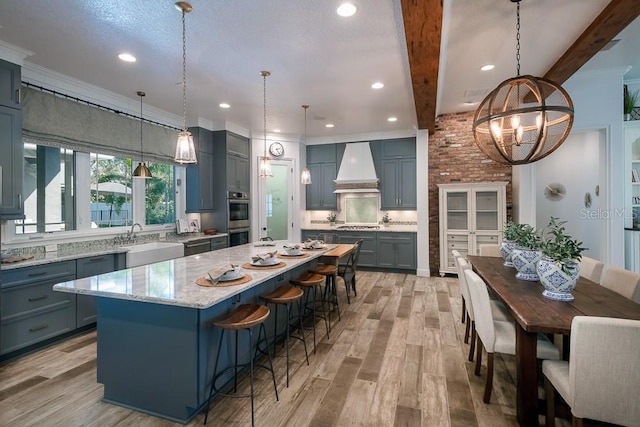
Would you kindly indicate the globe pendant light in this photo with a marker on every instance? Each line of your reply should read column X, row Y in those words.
column 305, row 177
column 141, row 171
column 265, row 161
column 185, row 149
column 524, row 119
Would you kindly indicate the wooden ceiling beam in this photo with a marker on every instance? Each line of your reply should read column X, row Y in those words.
column 423, row 31
column 612, row 20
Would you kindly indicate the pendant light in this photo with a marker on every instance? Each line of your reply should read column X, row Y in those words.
column 142, row 171
column 265, row 161
column 525, row 118
column 305, row 177
column 185, row 150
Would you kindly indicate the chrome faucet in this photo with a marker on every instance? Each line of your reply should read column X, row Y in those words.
column 134, row 225
column 131, row 235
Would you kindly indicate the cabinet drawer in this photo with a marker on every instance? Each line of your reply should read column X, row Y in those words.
column 20, row 276
column 487, row 239
column 27, row 298
column 218, row 243
column 457, row 238
column 30, row 330
column 91, row 266
column 459, row 246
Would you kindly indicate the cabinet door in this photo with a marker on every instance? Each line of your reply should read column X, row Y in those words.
column 242, row 174
column 320, row 194
column 86, row 305
column 368, row 250
column 405, row 251
column 389, row 185
column 454, row 241
column 329, row 199
column 386, row 252
column 321, row 154
column 200, row 189
column 9, row 84
column 457, row 210
column 237, row 145
column 407, row 184
column 11, row 162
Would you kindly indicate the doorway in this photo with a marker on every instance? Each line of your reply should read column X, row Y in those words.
column 276, row 204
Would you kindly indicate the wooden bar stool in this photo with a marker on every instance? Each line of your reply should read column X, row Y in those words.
column 246, row 316
column 286, row 295
column 330, row 272
column 313, row 281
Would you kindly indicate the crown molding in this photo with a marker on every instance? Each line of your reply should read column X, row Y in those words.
column 12, row 53
column 368, row 136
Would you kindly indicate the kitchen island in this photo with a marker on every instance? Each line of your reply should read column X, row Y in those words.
column 156, row 344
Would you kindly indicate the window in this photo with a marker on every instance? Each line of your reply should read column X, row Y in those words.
column 106, row 185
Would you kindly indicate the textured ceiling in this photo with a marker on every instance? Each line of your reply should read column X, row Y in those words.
column 315, row 56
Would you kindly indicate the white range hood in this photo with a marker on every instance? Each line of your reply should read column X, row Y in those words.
column 357, row 173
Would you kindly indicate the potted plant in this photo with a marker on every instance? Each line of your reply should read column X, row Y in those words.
column 630, row 101
column 526, row 253
column 331, row 218
column 510, row 233
column 558, row 268
column 386, row 220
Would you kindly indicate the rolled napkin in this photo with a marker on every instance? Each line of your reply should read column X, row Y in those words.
column 263, row 257
column 313, row 244
column 216, row 273
column 291, row 247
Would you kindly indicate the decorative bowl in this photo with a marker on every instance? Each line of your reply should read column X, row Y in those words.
column 525, row 261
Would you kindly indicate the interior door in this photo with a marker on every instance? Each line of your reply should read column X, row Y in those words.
column 275, row 198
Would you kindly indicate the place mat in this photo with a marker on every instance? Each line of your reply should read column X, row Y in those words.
column 314, row 249
column 18, row 258
column 201, row 281
column 293, row 256
column 250, row 266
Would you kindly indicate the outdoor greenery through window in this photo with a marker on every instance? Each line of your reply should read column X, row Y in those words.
column 50, row 188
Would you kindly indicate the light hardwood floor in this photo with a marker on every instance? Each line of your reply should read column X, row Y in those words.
column 395, row 359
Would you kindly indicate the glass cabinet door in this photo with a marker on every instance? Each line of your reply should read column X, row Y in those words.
column 486, row 210
column 457, row 210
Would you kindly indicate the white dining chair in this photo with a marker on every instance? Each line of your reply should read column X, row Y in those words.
column 494, row 335
column 602, row 377
column 456, row 254
column 591, row 269
column 488, row 249
column 624, row 282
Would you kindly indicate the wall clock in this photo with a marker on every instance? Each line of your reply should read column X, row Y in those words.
column 276, row 149
column 555, row 191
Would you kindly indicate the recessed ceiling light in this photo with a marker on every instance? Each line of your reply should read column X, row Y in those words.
column 487, row 67
column 224, row 105
column 377, row 85
column 127, row 57
column 346, row 9
column 329, row 125
column 392, row 119
column 277, row 130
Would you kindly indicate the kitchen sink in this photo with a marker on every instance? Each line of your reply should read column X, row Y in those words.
column 148, row 253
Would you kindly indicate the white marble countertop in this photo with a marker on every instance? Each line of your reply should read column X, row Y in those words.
column 384, row 229
column 173, row 282
column 59, row 256
column 190, row 237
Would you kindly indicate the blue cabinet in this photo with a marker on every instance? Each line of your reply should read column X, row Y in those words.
column 323, row 161
column 396, row 250
column 396, row 163
column 86, row 313
column 11, row 142
column 10, row 84
column 200, row 176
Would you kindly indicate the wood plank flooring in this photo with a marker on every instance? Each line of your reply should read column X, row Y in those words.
column 396, row 358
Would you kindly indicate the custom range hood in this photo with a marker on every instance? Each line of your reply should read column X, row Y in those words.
column 357, row 173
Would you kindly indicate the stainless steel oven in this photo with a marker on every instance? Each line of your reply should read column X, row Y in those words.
column 239, row 236
column 239, row 210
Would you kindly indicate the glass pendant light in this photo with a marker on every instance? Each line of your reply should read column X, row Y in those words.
column 141, row 171
column 305, row 177
column 185, row 149
column 265, row 161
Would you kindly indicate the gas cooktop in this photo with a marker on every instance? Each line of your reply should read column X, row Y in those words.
column 358, row 227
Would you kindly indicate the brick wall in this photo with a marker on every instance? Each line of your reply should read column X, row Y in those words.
column 454, row 157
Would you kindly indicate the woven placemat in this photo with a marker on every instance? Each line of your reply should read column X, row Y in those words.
column 293, row 256
column 250, row 266
column 201, row 281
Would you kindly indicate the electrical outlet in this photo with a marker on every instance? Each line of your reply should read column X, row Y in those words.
column 51, row 248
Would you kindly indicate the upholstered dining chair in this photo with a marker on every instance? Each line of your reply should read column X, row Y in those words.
column 591, row 269
column 624, row 282
column 498, row 309
column 488, row 249
column 602, row 377
column 494, row 335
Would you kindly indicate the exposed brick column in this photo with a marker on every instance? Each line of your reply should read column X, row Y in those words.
column 454, row 157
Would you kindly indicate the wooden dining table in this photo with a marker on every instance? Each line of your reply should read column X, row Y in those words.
column 535, row 314
column 333, row 255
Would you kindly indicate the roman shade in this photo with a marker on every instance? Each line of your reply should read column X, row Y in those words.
column 58, row 122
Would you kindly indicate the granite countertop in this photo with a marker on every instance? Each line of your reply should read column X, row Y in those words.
column 173, row 282
column 58, row 256
column 190, row 237
column 384, row 229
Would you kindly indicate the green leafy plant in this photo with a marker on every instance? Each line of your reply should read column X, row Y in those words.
column 511, row 230
column 560, row 246
column 630, row 100
column 386, row 218
column 331, row 217
column 528, row 237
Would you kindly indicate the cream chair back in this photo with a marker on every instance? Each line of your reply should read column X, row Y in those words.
column 624, row 282
column 481, row 304
column 591, row 269
column 604, row 369
column 487, row 249
column 463, row 265
column 456, row 255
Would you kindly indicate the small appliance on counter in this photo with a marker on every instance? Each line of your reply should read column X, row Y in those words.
column 182, row 226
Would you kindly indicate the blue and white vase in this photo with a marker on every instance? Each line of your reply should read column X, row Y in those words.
column 557, row 283
column 525, row 261
column 506, row 246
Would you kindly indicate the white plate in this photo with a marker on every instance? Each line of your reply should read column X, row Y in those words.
column 231, row 275
column 294, row 252
column 268, row 261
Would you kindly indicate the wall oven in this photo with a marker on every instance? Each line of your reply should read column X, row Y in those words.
column 238, row 210
column 239, row 236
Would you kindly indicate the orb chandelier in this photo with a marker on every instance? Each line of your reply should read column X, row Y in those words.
column 185, row 149
column 305, row 176
column 525, row 118
column 265, row 161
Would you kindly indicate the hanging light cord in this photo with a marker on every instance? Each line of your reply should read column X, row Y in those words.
column 518, row 39
column 141, row 155
column 184, row 70
column 264, row 88
column 305, row 123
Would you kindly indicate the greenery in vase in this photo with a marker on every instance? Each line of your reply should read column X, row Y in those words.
column 561, row 247
column 331, row 217
column 511, row 230
column 386, row 218
column 528, row 237
column 630, row 100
